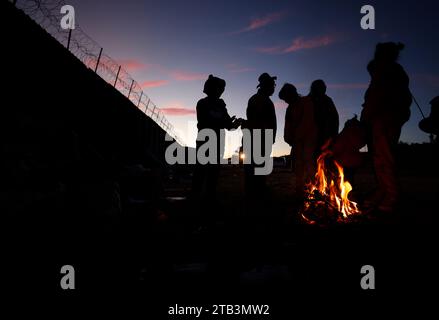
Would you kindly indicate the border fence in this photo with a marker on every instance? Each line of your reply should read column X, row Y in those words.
column 47, row 14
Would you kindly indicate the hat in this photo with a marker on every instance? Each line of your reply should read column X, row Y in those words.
column 212, row 84
column 265, row 78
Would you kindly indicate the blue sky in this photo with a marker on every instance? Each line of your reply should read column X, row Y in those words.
column 172, row 46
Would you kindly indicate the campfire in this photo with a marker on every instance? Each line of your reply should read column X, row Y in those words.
column 327, row 197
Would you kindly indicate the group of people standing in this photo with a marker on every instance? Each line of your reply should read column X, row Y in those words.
column 311, row 121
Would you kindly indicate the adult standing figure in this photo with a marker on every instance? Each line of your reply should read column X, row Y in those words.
column 212, row 114
column 260, row 115
column 289, row 94
column 385, row 110
column 326, row 115
column 301, row 133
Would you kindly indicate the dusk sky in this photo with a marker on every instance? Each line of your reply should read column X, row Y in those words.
column 170, row 47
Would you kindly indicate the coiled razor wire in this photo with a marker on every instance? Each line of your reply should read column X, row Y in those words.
column 47, row 14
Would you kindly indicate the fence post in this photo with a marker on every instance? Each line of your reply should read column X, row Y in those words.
column 131, row 87
column 147, row 105
column 99, row 59
column 117, row 76
column 138, row 103
column 68, row 40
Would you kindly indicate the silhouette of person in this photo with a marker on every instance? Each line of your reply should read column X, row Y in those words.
column 301, row 133
column 289, row 94
column 385, row 110
column 260, row 115
column 431, row 123
column 212, row 114
column 326, row 114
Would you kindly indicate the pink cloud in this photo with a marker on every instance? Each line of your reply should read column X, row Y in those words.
column 154, row 83
column 262, row 21
column 131, row 64
column 187, row 76
column 178, row 110
column 300, row 43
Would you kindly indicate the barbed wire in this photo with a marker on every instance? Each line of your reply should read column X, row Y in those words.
column 47, row 14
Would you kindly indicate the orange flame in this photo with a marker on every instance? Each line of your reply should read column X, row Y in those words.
column 331, row 186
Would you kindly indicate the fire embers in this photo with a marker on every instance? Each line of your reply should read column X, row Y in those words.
column 327, row 197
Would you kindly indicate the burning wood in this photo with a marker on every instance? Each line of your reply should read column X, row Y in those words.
column 327, row 199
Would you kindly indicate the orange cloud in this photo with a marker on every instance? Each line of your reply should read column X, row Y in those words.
column 154, row 83
column 262, row 21
column 187, row 76
column 300, row 43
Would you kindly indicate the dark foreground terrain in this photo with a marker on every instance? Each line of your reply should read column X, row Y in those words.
column 171, row 252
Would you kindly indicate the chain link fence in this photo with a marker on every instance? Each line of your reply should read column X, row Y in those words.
column 47, row 13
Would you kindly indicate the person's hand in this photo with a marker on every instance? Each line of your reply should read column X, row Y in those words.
column 243, row 123
column 237, row 122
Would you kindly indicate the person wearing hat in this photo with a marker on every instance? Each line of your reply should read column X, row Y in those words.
column 212, row 114
column 431, row 123
column 260, row 115
column 385, row 110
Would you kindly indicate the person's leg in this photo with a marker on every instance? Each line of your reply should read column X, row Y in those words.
column 299, row 168
column 309, row 151
column 375, row 197
column 386, row 135
column 199, row 177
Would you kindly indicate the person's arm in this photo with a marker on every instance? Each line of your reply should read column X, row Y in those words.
column 288, row 132
column 334, row 118
column 227, row 120
column 202, row 115
column 250, row 113
column 273, row 120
